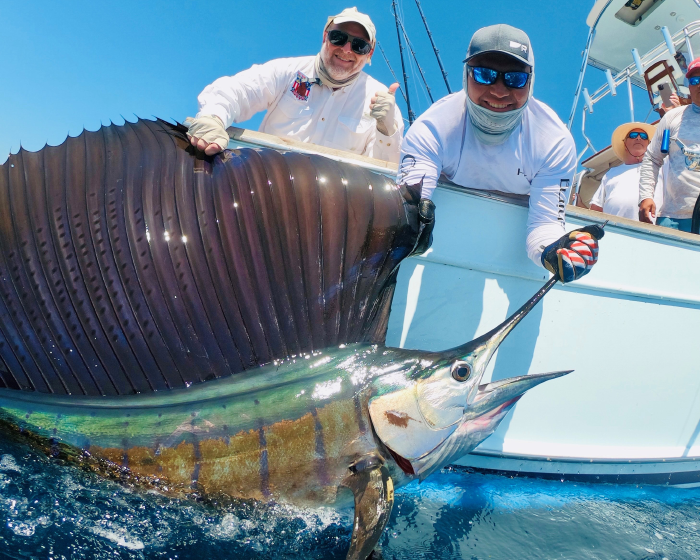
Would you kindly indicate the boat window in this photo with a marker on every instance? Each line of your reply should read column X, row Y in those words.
column 634, row 11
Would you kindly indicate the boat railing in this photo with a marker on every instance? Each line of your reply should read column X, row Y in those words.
column 634, row 73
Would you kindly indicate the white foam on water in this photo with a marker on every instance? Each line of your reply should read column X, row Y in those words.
column 8, row 464
column 119, row 536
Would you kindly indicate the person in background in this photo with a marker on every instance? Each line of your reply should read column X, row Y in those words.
column 494, row 135
column 325, row 99
column 618, row 193
column 682, row 184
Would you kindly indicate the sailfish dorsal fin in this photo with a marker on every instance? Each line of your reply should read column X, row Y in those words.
column 131, row 263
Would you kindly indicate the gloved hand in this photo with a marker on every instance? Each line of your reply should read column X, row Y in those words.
column 574, row 254
column 207, row 133
column 381, row 107
column 426, row 223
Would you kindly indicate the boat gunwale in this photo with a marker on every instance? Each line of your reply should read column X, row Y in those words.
column 390, row 170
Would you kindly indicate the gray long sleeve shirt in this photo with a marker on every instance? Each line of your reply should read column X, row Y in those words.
column 682, row 186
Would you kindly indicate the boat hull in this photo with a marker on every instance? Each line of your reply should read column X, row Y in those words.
column 630, row 412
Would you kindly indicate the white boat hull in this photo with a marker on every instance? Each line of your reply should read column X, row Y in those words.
column 631, row 410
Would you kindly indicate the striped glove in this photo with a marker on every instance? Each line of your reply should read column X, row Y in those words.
column 573, row 255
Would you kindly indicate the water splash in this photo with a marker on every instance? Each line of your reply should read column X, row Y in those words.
column 49, row 510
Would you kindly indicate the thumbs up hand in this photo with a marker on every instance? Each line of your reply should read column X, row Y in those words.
column 381, row 107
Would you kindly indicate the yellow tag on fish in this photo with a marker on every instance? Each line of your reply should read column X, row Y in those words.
column 389, row 490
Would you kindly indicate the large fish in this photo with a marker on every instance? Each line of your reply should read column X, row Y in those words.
column 244, row 362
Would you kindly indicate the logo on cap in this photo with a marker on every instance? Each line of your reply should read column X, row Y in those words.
column 516, row 45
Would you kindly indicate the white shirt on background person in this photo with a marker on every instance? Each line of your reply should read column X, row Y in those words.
column 618, row 193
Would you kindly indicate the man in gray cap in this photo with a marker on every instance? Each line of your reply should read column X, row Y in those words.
column 493, row 135
column 325, row 99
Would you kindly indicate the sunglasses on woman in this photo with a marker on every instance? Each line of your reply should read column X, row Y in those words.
column 488, row 76
column 695, row 80
column 358, row 44
column 642, row 135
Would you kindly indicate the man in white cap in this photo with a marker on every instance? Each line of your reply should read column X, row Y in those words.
column 494, row 135
column 682, row 183
column 325, row 99
column 618, row 193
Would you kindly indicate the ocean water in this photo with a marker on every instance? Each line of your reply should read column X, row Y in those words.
column 53, row 511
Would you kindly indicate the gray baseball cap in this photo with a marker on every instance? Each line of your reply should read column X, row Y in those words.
column 501, row 38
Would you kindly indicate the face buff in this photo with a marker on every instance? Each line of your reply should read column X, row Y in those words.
column 326, row 78
column 490, row 127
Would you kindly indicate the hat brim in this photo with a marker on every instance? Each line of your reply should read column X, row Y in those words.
column 349, row 19
column 510, row 54
column 621, row 132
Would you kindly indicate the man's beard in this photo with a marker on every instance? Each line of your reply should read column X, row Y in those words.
column 336, row 72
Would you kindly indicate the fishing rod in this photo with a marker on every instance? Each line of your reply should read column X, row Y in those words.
column 420, row 70
column 381, row 50
column 411, row 115
column 435, row 49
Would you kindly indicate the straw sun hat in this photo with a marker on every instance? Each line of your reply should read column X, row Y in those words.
column 621, row 132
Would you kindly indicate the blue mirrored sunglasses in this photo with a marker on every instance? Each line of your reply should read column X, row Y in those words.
column 642, row 135
column 488, row 76
column 695, row 80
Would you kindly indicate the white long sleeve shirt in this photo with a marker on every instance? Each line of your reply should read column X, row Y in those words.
column 299, row 108
column 682, row 184
column 539, row 159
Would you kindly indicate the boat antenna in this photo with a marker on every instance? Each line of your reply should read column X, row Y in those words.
column 437, row 52
column 420, row 70
column 411, row 115
column 381, row 50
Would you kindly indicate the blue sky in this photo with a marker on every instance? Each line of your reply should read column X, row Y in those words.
column 75, row 64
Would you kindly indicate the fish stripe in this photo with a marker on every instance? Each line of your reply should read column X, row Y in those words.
column 264, row 467
column 291, row 454
column 323, row 477
column 358, row 414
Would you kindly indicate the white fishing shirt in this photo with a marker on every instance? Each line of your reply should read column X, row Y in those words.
column 682, row 184
column 538, row 159
column 618, row 193
column 300, row 109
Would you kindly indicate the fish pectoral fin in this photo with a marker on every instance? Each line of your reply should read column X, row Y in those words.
column 373, row 489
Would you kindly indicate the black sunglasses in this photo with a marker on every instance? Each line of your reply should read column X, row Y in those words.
column 488, row 76
column 642, row 135
column 358, row 45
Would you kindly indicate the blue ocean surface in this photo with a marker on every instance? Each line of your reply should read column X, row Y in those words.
column 53, row 511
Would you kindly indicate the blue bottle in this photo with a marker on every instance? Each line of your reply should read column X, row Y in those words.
column 665, row 140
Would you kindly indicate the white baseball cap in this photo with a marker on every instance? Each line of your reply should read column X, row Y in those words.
column 351, row 14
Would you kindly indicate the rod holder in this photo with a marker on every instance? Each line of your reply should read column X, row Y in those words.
column 669, row 41
column 638, row 62
column 631, row 98
column 611, row 82
column 688, row 46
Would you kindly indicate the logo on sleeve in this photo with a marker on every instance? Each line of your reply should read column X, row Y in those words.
column 301, row 87
column 561, row 207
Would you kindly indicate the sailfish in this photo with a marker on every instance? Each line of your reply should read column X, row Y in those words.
column 214, row 326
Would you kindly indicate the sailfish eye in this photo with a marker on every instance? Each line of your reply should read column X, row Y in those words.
column 461, row 372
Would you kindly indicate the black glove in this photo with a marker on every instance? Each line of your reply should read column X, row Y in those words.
column 426, row 222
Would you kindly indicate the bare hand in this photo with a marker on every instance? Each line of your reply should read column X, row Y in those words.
column 206, row 147
column 647, row 210
column 675, row 102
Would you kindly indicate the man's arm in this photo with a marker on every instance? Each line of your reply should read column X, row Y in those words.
column 388, row 148
column 549, row 192
column 649, row 173
column 421, row 159
column 237, row 98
